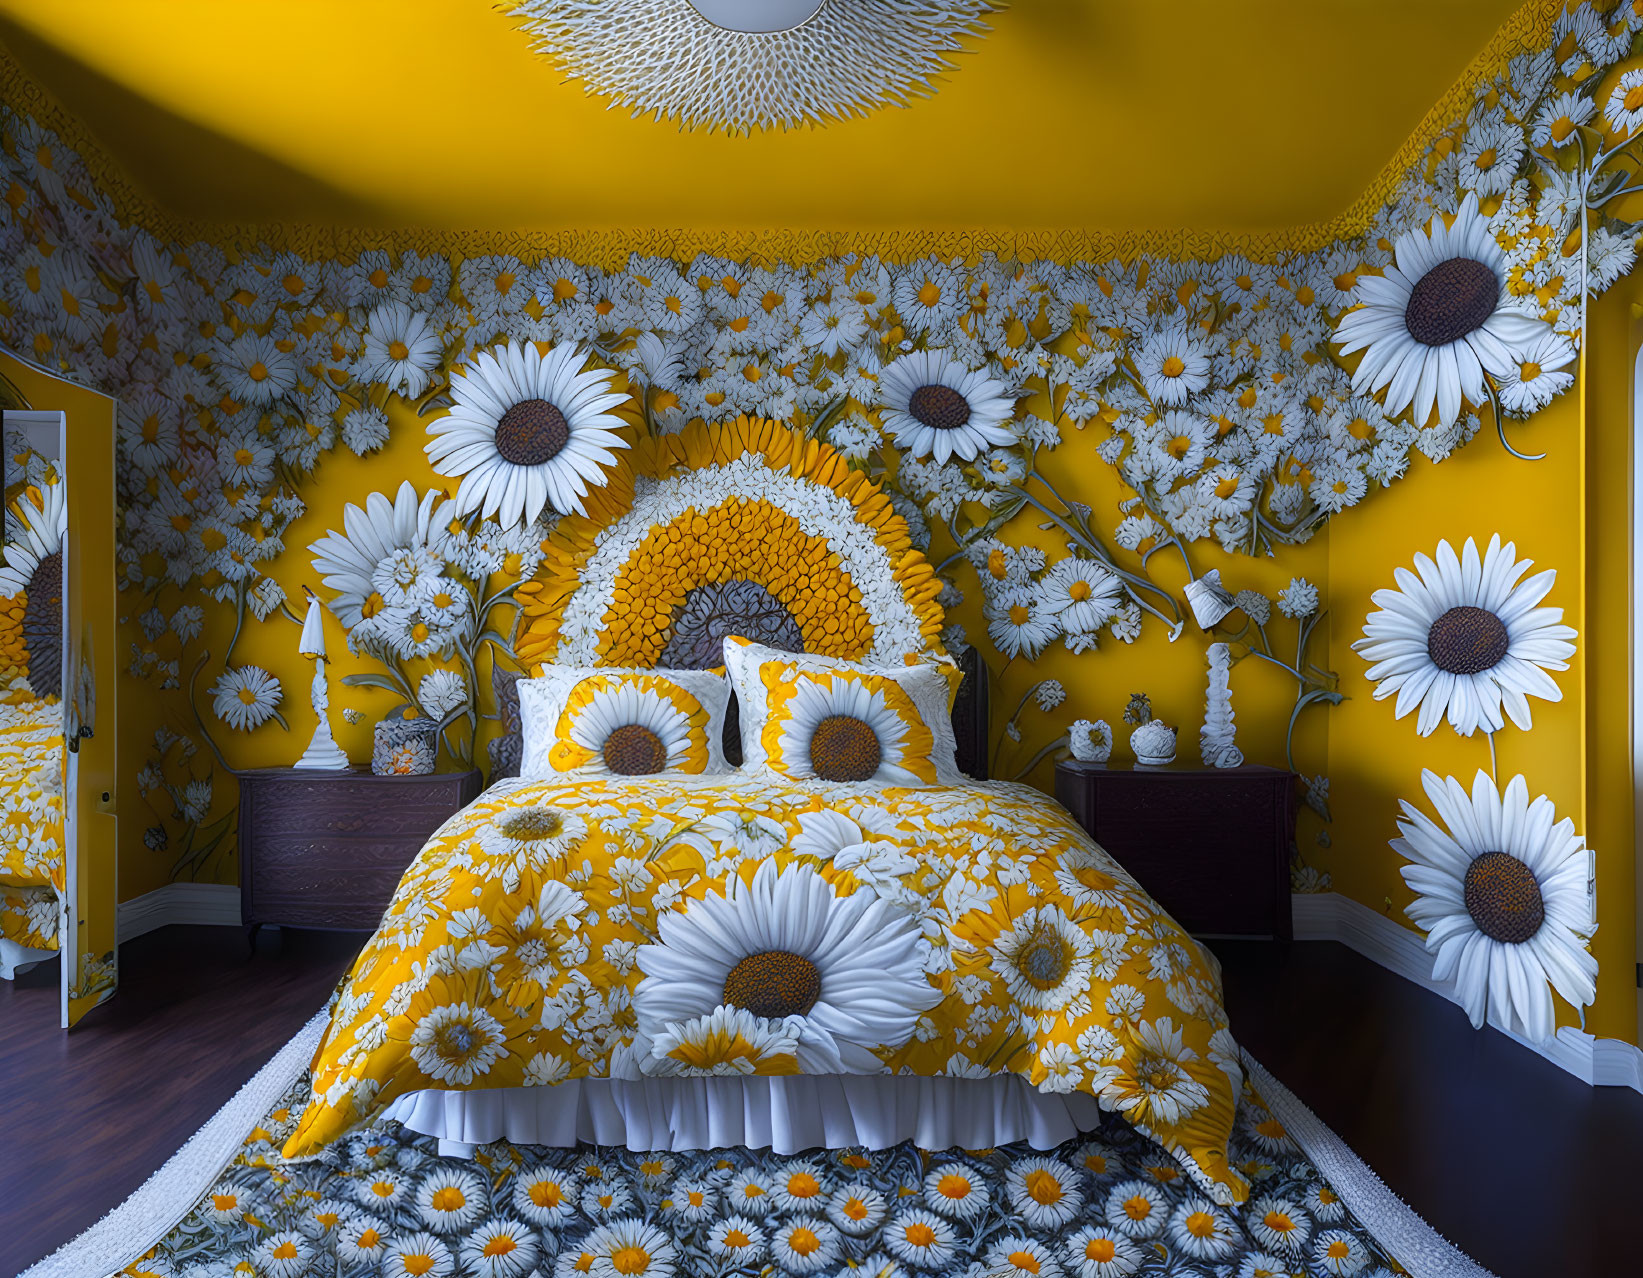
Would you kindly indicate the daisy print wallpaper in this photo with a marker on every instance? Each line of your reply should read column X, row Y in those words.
column 1314, row 504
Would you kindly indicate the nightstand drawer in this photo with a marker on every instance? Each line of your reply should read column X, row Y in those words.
column 353, row 808
column 327, row 849
column 1209, row 845
column 331, row 883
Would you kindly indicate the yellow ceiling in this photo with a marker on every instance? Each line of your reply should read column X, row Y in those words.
column 1098, row 114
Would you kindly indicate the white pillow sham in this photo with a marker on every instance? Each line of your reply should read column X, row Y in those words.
column 621, row 721
column 784, row 697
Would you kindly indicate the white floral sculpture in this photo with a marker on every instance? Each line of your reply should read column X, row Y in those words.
column 1215, row 738
column 1090, row 742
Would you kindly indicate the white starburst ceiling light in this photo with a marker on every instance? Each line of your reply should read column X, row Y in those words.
column 741, row 65
column 760, row 16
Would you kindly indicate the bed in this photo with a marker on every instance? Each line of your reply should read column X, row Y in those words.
column 750, row 959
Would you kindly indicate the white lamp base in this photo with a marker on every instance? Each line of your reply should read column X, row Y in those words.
column 322, row 754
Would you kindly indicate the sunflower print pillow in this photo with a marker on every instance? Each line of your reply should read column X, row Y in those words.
column 622, row 722
column 815, row 718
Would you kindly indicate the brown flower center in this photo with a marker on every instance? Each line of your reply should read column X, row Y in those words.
column 531, row 432
column 43, row 626
column 774, row 984
column 940, row 407
column 633, row 750
column 532, row 825
column 1044, row 959
column 1451, row 300
column 455, row 1041
column 1503, row 898
column 1467, row 641
column 843, row 748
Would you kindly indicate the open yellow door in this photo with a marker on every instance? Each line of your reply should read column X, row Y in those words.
column 67, row 500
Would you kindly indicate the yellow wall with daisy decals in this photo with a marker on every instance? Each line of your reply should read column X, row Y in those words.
column 177, row 792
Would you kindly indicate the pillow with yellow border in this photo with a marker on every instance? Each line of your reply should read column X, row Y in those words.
column 816, row 718
column 619, row 721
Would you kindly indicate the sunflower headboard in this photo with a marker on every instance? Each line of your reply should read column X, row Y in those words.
column 749, row 528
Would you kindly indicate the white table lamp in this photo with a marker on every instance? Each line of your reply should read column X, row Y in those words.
column 322, row 754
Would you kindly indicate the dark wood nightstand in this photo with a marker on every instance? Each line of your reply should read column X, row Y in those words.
column 326, row 849
column 1210, row 844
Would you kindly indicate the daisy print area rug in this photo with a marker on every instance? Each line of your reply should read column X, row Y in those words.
column 1107, row 1205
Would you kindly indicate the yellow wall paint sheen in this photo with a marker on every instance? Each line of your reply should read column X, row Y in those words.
column 1375, row 760
column 474, row 130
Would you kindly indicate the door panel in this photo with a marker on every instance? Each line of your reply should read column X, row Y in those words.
column 85, row 687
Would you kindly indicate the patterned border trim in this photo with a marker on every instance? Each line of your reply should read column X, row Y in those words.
column 1528, row 29
column 1421, row 1250
column 162, row 1200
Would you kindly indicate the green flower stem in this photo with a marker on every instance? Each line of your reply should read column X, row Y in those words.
column 1141, row 491
column 1061, row 742
column 239, row 621
column 1099, row 552
column 1500, row 415
column 998, row 750
column 194, row 705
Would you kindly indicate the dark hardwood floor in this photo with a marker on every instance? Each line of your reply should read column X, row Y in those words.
column 1526, row 1169
column 89, row 1115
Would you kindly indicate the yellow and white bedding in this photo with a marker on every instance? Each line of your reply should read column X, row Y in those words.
column 751, row 926
column 31, row 817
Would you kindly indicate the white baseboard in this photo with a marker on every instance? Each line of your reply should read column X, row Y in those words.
column 1329, row 916
column 209, row 903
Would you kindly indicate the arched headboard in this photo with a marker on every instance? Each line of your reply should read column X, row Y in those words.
column 749, row 528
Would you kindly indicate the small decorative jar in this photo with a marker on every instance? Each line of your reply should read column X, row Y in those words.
column 1090, row 742
column 405, row 747
column 1153, row 743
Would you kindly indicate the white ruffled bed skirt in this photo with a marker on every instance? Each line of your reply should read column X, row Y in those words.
column 787, row 1114
column 16, row 958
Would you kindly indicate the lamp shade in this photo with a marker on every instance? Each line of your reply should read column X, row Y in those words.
column 313, row 629
column 758, row 16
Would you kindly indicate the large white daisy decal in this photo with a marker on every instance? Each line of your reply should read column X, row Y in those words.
column 1501, row 887
column 840, row 978
column 1466, row 639
column 1438, row 319
column 526, row 431
column 387, row 556
column 935, row 407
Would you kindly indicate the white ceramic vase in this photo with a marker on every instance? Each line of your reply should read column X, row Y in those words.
column 1153, row 743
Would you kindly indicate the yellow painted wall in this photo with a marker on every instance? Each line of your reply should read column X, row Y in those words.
column 234, row 114
column 1564, row 512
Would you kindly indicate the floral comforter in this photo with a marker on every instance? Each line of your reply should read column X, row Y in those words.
column 31, row 816
column 679, row 926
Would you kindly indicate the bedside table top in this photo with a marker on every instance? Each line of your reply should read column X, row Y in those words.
column 348, row 774
column 1179, row 768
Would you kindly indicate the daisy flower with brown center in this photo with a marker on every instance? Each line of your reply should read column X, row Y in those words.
column 1501, row 892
